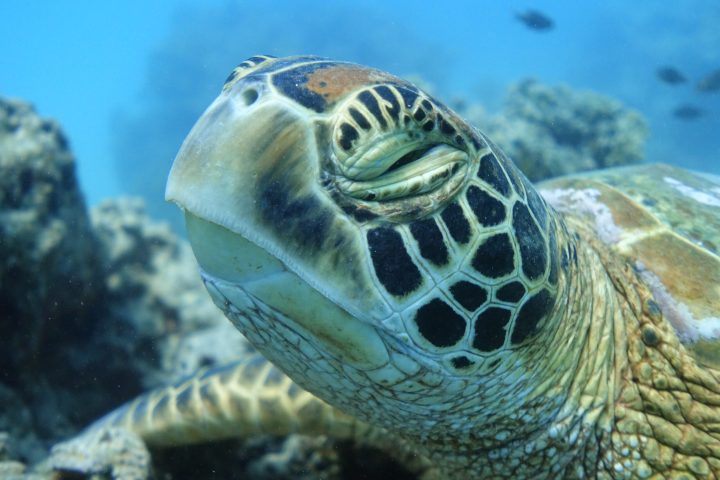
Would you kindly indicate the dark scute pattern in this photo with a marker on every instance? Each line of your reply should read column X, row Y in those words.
column 456, row 223
column 260, row 59
column 408, row 96
column 469, row 295
column 209, row 397
column 141, row 410
column 491, row 172
column 387, row 94
column 553, row 275
column 428, row 126
column 488, row 210
column 419, row 114
column 304, row 220
column 371, row 103
column 492, row 364
column 220, row 370
column 231, row 77
column 293, row 83
column 274, row 377
column 510, row 168
column 495, row 257
column 574, row 254
column 293, row 392
column 360, row 215
column 161, row 408
column 360, row 119
column 347, row 136
column 393, row 266
column 282, row 63
column 530, row 315
column 517, row 183
column 183, row 400
column 510, row 292
column 490, row 329
column 439, row 323
column 536, row 205
column 252, row 368
column 445, row 127
column 531, row 242
column 461, row 362
column 430, row 240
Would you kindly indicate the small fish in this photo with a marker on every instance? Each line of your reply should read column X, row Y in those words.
column 671, row 75
column 710, row 83
column 688, row 112
column 535, row 20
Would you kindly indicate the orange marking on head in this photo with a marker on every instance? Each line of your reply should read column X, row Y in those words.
column 335, row 82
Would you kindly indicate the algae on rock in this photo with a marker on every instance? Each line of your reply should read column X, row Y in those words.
column 92, row 310
column 550, row 131
column 50, row 267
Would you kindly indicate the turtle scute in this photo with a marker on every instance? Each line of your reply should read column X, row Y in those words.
column 666, row 224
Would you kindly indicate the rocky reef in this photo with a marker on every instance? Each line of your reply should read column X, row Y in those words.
column 99, row 306
column 51, row 281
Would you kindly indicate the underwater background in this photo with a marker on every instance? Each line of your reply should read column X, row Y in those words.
column 128, row 79
column 99, row 296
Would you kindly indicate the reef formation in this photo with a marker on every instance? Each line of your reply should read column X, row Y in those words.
column 550, row 131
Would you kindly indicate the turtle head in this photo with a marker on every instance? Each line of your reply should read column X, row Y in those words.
column 370, row 242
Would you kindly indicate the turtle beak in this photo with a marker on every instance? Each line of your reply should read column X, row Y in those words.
column 239, row 139
column 252, row 166
column 259, row 222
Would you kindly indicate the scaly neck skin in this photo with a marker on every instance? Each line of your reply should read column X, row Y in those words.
column 549, row 428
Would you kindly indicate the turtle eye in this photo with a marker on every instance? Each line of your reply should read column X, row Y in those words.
column 398, row 154
column 417, row 170
column 409, row 158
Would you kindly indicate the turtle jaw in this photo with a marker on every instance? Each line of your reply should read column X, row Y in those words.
column 247, row 178
column 236, row 269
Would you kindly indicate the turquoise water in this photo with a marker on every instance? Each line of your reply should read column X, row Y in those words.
column 116, row 74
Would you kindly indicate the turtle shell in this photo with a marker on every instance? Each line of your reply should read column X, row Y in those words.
column 666, row 222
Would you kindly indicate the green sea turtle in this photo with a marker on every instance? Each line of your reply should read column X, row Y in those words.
column 392, row 261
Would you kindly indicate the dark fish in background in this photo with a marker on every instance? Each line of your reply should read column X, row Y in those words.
column 688, row 112
column 671, row 75
column 710, row 83
column 535, row 20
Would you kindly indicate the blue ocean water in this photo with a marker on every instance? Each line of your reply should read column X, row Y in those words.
column 116, row 74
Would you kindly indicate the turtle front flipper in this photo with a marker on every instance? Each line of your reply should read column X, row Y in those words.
column 240, row 399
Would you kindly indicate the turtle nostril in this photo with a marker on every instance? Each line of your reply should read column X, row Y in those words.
column 249, row 96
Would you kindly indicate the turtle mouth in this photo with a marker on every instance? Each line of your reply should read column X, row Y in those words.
column 230, row 256
column 237, row 265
